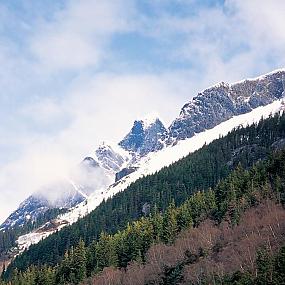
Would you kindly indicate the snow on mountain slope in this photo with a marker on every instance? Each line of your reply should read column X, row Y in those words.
column 153, row 162
column 87, row 177
column 111, row 157
column 112, row 162
column 62, row 194
column 223, row 101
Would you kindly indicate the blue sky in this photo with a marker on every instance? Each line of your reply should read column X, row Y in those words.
column 74, row 73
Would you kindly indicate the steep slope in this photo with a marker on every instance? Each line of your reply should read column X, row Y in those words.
column 242, row 189
column 200, row 170
column 144, row 149
column 202, row 120
column 212, row 254
column 168, row 155
column 111, row 157
column 108, row 163
column 223, row 101
column 36, row 205
column 149, row 146
column 90, row 175
column 146, row 136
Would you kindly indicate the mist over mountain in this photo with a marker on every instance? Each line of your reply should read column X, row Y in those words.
column 110, row 162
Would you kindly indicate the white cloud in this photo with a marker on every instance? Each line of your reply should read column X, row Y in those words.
column 242, row 39
column 239, row 39
column 101, row 108
column 77, row 36
column 45, row 111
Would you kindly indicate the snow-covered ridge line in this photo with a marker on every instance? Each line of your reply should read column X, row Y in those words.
column 152, row 163
column 249, row 79
column 156, row 161
column 261, row 77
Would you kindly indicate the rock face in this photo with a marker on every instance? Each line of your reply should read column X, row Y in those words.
column 62, row 194
column 109, row 158
column 89, row 162
column 28, row 210
column 145, row 136
column 223, row 101
column 124, row 172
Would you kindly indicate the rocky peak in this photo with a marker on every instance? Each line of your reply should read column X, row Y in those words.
column 223, row 101
column 146, row 135
column 111, row 157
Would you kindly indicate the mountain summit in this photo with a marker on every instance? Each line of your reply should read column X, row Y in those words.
column 146, row 136
column 223, row 101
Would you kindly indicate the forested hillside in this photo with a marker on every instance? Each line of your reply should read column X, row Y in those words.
column 245, row 243
column 171, row 203
column 249, row 253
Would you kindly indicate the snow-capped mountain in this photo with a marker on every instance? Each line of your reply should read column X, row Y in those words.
column 111, row 157
column 91, row 174
column 146, row 136
column 223, row 101
column 31, row 209
column 149, row 145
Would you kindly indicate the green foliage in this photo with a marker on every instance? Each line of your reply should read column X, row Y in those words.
column 74, row 265
column 170, row 224
column 115, row 233
column 279, row 267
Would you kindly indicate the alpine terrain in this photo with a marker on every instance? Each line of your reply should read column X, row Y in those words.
column 218, row 165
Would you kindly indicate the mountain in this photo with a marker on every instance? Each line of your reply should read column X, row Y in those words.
column 147, row 135
column 84, row 179
column 107, row 164
column 231, row 181
column 34, row 207
column 111, row 157
column 223, row 101
column 150, row 146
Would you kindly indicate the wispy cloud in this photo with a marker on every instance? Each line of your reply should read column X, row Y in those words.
column 70, row 76
column 78, row 35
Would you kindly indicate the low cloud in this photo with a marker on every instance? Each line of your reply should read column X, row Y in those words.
column 65, row 87
column 102, row 108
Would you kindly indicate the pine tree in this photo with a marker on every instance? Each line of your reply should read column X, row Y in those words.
column 170, row 226
column 184, row 218
column 279, row 267
column 157, row 224
column 79, row 261
column 105, row 251
column 264, row 268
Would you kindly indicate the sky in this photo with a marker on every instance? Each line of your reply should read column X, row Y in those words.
column 74, row 73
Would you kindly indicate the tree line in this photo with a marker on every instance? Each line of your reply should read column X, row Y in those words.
column 241, row 190
column 204, row 169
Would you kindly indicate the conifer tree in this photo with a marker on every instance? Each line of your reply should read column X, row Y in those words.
column 264, row 268
column 170, row 226
column 79, row 261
